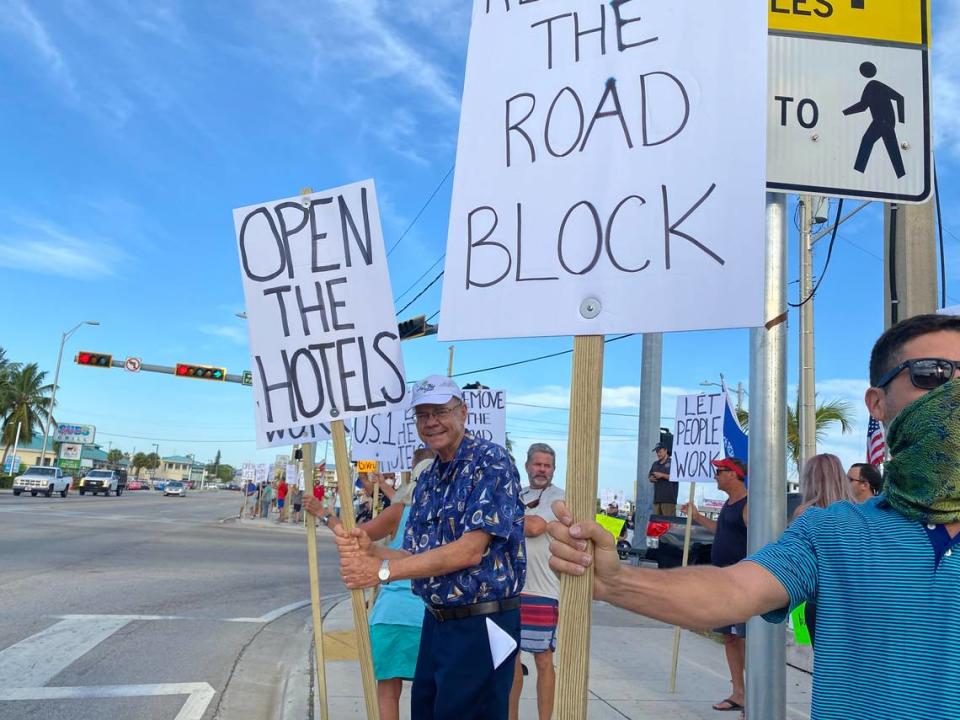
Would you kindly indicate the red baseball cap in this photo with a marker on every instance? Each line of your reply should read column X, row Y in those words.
column 731, row 464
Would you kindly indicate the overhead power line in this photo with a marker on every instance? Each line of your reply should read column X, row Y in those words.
column 425, row 206
column 533, row 359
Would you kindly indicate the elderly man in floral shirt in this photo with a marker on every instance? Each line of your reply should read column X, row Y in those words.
column 463, row 550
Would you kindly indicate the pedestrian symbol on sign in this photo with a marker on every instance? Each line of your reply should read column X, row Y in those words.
column 879, row 99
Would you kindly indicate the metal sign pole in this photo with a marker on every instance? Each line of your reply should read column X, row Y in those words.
column 766, row 643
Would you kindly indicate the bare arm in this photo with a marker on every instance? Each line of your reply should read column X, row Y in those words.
column 534, row 526
column 696, row 597
column 700, row 518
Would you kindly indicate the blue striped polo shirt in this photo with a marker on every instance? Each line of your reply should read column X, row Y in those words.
column 888, row 611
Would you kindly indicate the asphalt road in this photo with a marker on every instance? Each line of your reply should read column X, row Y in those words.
column 150, row 608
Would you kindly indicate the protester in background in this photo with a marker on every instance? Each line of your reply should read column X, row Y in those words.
column 397, row 615
column 664, row 491
column 865, row 481
column 267, row 500
column 282, row 489
column 463, row 548
column 885, row 572
column 823, row 483
column 540, row 599
column 250, row 499
column 729, row 548
column 296, row 500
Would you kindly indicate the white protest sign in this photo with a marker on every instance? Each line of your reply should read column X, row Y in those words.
column 285, row 437
column 391, row 438
column 610, row 166
column 263, row 472
column 292, row 476
column 323, row 334
column 249, row 472
column 697, row 437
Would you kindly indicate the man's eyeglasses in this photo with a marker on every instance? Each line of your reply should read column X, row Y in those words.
column 439, row 414
column 535, row 503
column 925, row 373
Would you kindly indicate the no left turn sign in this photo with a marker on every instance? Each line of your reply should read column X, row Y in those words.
column 132, row 364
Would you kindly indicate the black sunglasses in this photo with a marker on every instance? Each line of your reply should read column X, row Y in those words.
column 925, row 373
column 535, row 503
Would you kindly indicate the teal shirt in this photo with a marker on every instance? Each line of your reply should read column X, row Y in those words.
column 888, row 613
column 396, row 604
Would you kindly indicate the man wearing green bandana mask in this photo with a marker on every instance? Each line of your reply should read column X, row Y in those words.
column 885, row 574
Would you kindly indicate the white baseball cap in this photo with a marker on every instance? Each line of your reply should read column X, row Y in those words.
column 434, row 390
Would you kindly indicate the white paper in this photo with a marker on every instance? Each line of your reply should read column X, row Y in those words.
column 697, row 437
column 602, row 190
column 391, row 438
column 501, row 643
column 323, row 334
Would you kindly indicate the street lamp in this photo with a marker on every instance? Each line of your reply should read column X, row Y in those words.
column 722, row 384
column 56, row 380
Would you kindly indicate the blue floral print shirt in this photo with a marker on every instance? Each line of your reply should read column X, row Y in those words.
column 478, row 490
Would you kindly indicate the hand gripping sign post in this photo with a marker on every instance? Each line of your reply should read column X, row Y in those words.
column 323, row 335
column 610, row 166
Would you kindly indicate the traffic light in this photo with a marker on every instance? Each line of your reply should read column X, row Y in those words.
column 201, row 372
column 94, row 359
column 415, row 327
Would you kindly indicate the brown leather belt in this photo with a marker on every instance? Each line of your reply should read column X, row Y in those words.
column 461, row 612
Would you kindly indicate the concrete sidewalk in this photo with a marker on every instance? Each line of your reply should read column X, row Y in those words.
column 629, row 672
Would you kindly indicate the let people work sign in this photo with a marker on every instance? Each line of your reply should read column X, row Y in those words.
column 697, row 437
column 610, row 166
column 323, row 335
column 391, row 438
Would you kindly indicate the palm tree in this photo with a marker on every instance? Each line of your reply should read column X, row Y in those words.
column 826, row 414
column 27, row 404
column 115, row 456
column 6, row 370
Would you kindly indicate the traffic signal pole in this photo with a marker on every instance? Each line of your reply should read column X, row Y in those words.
column 172, row 370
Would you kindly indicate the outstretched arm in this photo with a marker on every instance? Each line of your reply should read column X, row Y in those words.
column 858, row 107
column 696, row 597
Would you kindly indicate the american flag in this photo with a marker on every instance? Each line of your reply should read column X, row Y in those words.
column 876, row 443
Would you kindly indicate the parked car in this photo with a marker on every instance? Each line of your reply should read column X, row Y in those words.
column 103, row 481
column 175, row 487
column 233, row 486
column 42, row 479
column 159, row 485
column 135, row 485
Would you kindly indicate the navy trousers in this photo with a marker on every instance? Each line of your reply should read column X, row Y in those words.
column 455, row 678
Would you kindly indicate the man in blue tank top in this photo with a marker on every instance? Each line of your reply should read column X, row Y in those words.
column 730, row 547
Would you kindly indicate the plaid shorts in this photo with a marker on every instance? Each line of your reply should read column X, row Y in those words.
column 538, row 623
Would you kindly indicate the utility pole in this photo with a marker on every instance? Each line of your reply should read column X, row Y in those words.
column 910, row 262
column 766, row 643
column 806, row 410
column 648, row 433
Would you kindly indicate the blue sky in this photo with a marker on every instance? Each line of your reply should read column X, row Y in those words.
column 131, row 131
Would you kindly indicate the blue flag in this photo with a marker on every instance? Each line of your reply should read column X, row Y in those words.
column 735, row 442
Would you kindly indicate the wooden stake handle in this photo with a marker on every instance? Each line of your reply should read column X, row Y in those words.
column 357, row 600
column 686, row 556
column 576, row 593
column 309, row 451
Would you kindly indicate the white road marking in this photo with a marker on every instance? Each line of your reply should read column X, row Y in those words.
column 200, row 694
column 262, row 620
column 38, row 659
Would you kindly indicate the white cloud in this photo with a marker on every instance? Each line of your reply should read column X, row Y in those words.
column 17, row 17
column 42, row 247
column 946, row 77
column 234, row 333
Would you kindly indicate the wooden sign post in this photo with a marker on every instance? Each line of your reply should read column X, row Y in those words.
column 341, row 459
column 576, row 593
column 686, row 556
column 309, row 452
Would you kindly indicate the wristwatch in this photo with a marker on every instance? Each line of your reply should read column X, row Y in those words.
column 384, row 572
column 326, row 520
